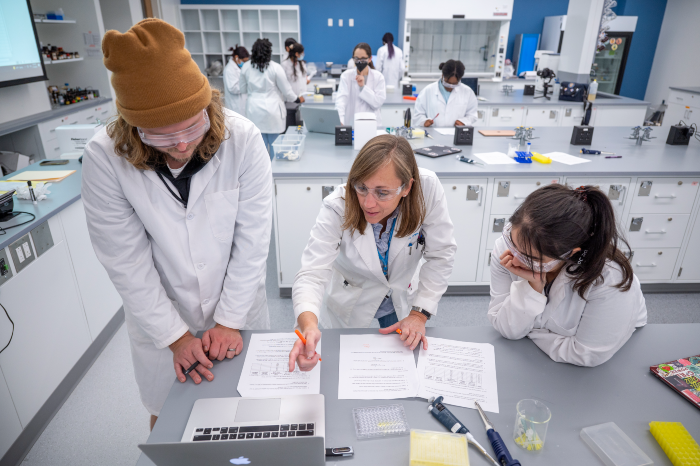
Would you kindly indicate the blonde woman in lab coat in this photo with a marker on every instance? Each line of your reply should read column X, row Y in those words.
column 362, row 260
column 390, row 61
column 447, row 102
column 232, row 72
column 361, row 89
column 562, row 281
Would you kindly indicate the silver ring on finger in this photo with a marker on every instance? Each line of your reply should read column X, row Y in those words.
column 231, row 349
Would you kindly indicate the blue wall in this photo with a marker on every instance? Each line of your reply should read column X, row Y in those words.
column 323, row 43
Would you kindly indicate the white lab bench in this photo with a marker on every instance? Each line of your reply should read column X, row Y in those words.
column 653, row 187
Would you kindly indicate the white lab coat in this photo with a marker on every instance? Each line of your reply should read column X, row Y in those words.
column 298, row 82
column 234, row 99
column 351, row 99
column 351, row 64
column 584, row 332
column 333, row 256
column 180, row 269
column 267, row 92
column 391, row 68
column 461, row 106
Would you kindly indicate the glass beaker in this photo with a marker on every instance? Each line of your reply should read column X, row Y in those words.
column 531, row 421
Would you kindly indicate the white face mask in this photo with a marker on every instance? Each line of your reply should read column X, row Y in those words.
column 448, row 85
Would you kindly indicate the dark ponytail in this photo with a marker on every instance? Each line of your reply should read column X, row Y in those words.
column 556, row 219
column 289, row 42
column 239, row 51
column 364, row 46
column 297, row 48
column 388, row 39
column 452, row 68
column 261, row 54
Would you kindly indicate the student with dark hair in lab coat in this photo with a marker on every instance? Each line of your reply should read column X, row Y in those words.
column 361, row 89
column 560, row 279
column 232, row 72
column 447, row 102
column 295, row 70
column 390, row 61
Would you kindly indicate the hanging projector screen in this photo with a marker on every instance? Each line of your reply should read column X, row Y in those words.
column 20, row 60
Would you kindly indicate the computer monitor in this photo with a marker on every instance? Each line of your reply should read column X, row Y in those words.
column 473, row 83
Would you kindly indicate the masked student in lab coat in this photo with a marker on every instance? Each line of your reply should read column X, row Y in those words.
column 362, row 260
column 288, row 43
column 268, row 90
column 295, row 70
column 232, row 72
column 561, row 280
column 447, row 102
column 390, row 61
column 177, row 193
column 361, row 89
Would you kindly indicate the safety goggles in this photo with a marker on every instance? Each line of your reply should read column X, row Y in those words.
column 449, row 86
column 534, row 265
column 186, row 136
column 360, row 60
column 380, row 194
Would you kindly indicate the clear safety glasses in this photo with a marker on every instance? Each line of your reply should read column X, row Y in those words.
column 380, row 194
column 186, row 136
column 449, row 86
column 535, row 266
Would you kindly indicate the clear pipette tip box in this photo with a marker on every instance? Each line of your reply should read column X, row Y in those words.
column 613, row 446
column 380, row 421
column 438, row 449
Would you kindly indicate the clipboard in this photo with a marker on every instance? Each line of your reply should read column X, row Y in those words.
column 497, row 132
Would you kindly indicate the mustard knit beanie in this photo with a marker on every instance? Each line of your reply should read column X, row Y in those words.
column 154, row 77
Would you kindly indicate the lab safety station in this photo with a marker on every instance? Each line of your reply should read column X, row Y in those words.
column 396, row 232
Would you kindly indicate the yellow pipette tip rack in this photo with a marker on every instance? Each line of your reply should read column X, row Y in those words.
column 676, row 442
column 438, row 449
column 537, row 157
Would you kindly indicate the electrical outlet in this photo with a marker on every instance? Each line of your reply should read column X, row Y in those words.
column 464, row 136
column 43, row 241
column 582, row 136
column 343, row 135
column 351, row 22
column 21, row 252
column 330, row 22
column 5, row 269
column 340, row 23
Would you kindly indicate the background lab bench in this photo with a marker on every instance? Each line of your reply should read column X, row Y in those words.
column 622, row 391
column 64, row 307
column 654, row 189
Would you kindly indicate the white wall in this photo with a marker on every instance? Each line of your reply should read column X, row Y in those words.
column 121, row 14
column 23, row 100
column 168, row 10
column 675, row 62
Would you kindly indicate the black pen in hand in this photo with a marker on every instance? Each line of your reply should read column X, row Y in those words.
column 193, row 366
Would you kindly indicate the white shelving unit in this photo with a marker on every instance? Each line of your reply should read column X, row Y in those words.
column 210, row 30
column 55, row 21
column 66, row 60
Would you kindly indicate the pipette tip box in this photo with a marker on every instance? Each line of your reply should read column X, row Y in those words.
column 438, row 449
column 380, row 421
column 613, row 446
column 677, row 443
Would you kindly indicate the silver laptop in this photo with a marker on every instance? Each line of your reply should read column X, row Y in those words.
column 288, row 430
column 320, row 119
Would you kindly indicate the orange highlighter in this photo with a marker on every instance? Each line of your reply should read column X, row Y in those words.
column 303, row 340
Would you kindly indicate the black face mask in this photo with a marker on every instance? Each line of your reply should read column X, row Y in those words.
column 361, row 65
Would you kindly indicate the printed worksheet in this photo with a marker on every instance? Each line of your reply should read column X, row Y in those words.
column 266, row 368
column 375, row 367
column 462, row 372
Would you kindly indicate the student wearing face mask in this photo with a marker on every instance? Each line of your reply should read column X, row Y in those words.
column 288, row 45
column 561, row 280
column 232, row 73
column 362, row 261
column 361, row 89
column 295, row 70
column 448, row 101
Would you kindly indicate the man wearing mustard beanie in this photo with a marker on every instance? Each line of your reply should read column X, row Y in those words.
column 177, row 193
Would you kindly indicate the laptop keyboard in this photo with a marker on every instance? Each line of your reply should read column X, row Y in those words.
column 205, row 434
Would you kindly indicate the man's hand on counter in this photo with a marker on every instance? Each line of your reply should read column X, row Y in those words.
column 186, row 350
column 219, row 340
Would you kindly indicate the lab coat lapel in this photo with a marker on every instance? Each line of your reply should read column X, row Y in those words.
column 201, row 179
column 153, row 176
column 367, row 249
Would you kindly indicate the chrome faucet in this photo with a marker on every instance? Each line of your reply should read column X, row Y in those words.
column 524, row 134
column 641, row 134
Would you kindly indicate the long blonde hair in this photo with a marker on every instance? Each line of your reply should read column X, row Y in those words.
column 378, row 152
column 128, row 144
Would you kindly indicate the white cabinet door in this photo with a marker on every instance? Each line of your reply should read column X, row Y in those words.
column 465, row 202
column 686, row 99
column 392, row 115
column 572, row 114
column 655, row 230
column 542, row 116
column 690, row 268
column 509, row 193
column 51, row 333
column 654, row 264
column 615, row 188
column 482, row 116
column 10, row 427
column 298, row 203
column 619, row 115
column 664, row 195
column 100, row 299
column 506, row 116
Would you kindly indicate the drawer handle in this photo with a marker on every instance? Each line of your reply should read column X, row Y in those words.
column 56, row 148
column 52, row 130
column 106, row 111
column 653, row 264
column 649, row 232
column 659, row 196
column 519, row 197
column 74, row 123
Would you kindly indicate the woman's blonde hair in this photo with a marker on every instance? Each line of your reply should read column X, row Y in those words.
column 128, row 144
column 377, row 153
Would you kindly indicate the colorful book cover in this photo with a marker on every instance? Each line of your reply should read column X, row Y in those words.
column 683, row 375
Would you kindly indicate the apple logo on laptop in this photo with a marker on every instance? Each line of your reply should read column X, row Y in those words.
column 240, row 460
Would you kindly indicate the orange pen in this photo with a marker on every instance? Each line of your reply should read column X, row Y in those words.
column 303, row 340
column 398, row 330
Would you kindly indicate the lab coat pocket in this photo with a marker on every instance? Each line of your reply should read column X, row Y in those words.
column 342, row 297
column 222, row 208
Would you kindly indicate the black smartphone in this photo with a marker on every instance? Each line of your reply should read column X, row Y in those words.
column 53, row 162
